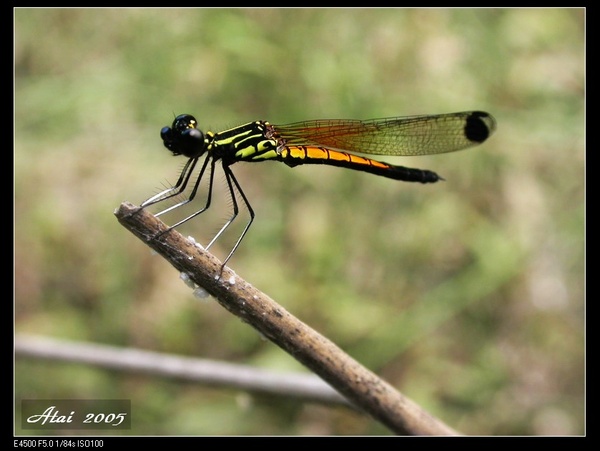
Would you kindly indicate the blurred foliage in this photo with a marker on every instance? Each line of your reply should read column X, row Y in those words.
column 467, row 295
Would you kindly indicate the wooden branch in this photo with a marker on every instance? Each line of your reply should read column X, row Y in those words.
column 360, row 386
column 305, row 387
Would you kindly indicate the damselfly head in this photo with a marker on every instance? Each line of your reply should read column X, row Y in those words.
column 183, row 138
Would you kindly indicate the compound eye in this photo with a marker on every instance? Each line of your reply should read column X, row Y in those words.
column 183, row 138
column 184, row 122
column 191, row 143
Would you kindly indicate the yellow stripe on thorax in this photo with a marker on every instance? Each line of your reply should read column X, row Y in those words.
column 248, row 141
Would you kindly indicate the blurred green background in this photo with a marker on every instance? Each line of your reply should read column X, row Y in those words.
column 466, row 295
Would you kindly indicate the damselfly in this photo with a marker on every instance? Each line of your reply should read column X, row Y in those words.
column 333, row 142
